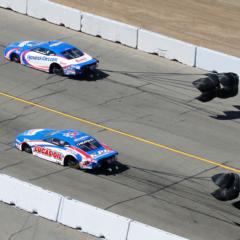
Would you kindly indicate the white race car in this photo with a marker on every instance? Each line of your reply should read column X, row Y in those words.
column 53, row 57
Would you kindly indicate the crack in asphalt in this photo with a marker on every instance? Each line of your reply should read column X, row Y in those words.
column 118, row 98
column 16, row 117
column 49, row 174
column 11, row 165
column 23, row 228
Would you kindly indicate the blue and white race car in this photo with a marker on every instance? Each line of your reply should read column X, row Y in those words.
column 68, row 148
column 53, row 57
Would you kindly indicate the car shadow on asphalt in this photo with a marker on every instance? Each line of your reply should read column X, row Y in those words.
column 229, row 115
column 103, row 171
column 98, row 75
column 236, row 204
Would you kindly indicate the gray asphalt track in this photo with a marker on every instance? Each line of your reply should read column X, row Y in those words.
column 144, row 96
column 20, row 225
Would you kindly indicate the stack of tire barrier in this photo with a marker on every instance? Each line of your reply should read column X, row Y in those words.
column 125, row 34
column 221, row 85
column 76, row 214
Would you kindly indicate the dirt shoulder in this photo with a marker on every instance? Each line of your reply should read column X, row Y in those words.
column 214, row 24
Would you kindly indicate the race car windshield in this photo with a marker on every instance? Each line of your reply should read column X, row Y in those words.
column 72, row 53
column 89, row 145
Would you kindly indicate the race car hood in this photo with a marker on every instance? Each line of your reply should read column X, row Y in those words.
column 24, row 45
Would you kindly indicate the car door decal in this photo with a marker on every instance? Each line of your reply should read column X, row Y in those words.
column 38, row 60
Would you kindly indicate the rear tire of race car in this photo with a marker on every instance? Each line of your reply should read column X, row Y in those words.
column 71, row 162
column 56, row 69
column 26, row 148
column 15, row 58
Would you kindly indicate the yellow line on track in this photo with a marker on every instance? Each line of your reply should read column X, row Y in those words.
column 212, row 162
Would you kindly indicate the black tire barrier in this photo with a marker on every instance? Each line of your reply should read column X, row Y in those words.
column 221, row 85
column 229, row 186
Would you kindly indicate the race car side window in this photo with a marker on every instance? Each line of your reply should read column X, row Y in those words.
column 43, row 51
column 48, row 140
column 57, row 142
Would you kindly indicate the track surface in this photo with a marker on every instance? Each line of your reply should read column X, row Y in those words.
column 144, row 96
column 20, row 225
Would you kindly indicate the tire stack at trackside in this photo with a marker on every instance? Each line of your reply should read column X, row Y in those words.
column 221, row 85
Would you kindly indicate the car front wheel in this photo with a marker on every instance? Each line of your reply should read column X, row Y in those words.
column 15, row 58
column 57, row 69
column 71, row 162
column 26, row 148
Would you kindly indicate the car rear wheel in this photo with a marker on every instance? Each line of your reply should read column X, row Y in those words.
column 71, row 162
column 15, row 58
column 26, row 148
column 56, row 69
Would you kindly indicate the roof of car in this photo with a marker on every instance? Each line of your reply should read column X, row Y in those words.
column 71, row 136
column 56, row 46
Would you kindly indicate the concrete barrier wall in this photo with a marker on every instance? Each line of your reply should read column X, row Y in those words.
column 16, row 5
column 55, row 13
column 76, row 214
column 211, row 60
column 126, row 34
column 109, row 29
column 95, row 221
column 140, row 231
column 29, row 197
column 166, row 47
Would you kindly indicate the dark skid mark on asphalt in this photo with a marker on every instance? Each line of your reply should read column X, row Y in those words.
column 161, row 188
column 118, row 98
column 48, row 95
column 174, row 100
column 200, row 212
column 151, row 73
column 189, row 178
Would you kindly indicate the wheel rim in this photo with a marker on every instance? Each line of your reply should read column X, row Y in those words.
column 27, row 149
column 15, row 58
column 72, row 163
column 57, row 71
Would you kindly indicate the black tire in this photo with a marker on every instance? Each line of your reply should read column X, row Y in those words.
column 71, row 162
column 90, row 74
column 57, row 69
column 15, row 58
column 26, row 148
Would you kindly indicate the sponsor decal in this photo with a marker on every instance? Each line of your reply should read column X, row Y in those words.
column 70, row 134
column 81, row 59
column 63, row 63
column 32, row 131
column 48, row 152
column 102, row 151
column 55, row 44
column 24, row 43
column 39, row 58
column 80, row 139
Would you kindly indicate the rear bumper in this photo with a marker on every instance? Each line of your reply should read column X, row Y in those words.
column 85, row 69
column 102, row 163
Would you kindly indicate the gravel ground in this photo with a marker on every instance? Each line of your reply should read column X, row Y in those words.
column 209, row 23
